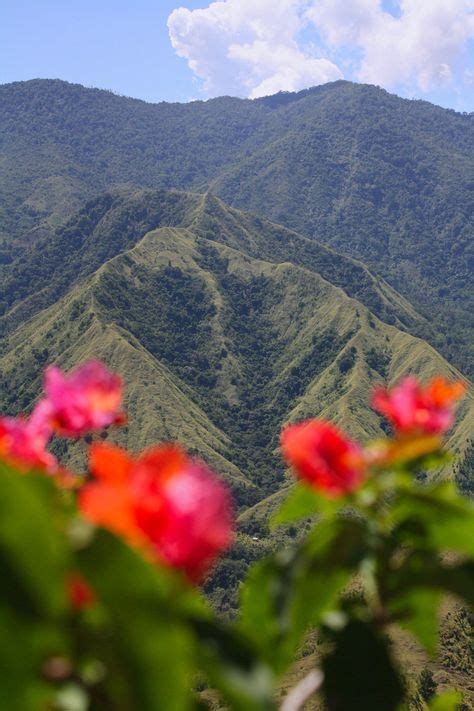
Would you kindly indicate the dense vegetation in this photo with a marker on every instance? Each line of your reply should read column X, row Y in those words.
column 224, row 325
column 380, row 178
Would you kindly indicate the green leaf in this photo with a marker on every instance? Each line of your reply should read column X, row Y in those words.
column 446, row 518
column 25, row 645
column 260, row 602
column 141, row 638
column 436, row 575
column 459, row 580
column 412, row 592
column 158, row 630
column 232, row 665
column 449, row 701
column 33, row 548
column 416, row 610
column 359, row 673
column 271, row 614
column 34, row 561
column 455, row 533
column 291, row 592
column 303, row 502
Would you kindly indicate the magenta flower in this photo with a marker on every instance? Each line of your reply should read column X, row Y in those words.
column 88, row 399
column 23, row 441
column 165, row 503
column 416, row 409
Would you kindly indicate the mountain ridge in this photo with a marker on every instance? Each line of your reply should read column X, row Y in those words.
column 281, row 97
column 219, row 344
column 99, row 232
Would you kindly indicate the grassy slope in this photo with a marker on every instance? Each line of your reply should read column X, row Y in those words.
column 219, row 348
column 113, row 221
column 77, row 328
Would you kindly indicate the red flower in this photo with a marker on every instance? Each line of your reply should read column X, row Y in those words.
column 323, row 456
column 23, row 441
column 108, row 501
column 88, row 399
column 412, row 408
column 164, row 502
column 80, row 592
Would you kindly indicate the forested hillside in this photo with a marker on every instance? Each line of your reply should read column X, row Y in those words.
column 380, row 178
column 223, row 325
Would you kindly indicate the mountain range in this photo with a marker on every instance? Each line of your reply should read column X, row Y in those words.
column 379, row 178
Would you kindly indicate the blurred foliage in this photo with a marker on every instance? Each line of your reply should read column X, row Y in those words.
column 380, row 557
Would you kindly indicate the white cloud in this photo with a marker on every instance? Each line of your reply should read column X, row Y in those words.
column 253, row 47
column 418, row 48
column 248, row 47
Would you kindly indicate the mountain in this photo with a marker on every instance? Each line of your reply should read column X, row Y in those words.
column 223, row 325
column 115, row 243
column 382, row 179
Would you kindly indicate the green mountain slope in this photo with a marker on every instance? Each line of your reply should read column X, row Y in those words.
column 380, row 178
column 114, row 221
column 219, row 334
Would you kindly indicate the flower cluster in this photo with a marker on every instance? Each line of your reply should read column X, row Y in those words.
column 23, row 442
column 88, row 399
column 169, row 505
column 172, row 507
column 413, row 409
column 335, row 465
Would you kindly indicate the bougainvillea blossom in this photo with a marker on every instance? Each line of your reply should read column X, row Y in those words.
column 108, row 500
column 413, row 408
column 164, row 502
column 23, row 442
column 90, row 398
column 323, row 456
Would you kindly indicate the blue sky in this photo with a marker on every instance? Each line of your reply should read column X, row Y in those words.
column 121, row 45
column 175, row 51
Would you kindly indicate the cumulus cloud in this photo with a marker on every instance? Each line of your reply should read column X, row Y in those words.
column 254, row 47
column 419, row 47
column 248, row 47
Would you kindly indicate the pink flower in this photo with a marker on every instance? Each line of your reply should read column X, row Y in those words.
column 323, row 456
column 23, row 441
column 170, row 506
column 88, row 399
column 187, row 516
column 413, row 408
